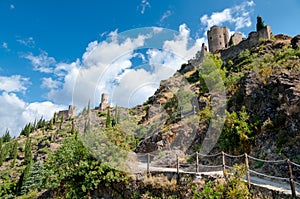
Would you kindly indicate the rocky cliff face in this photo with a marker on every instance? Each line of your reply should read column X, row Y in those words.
column 277, row 105
column 270, row 91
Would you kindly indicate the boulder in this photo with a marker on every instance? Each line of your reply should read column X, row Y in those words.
column 295, row 42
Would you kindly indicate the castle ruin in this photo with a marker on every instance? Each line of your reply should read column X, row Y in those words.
column 230, row 47
column 104, row 102
column 66, row 114
column 218, row 38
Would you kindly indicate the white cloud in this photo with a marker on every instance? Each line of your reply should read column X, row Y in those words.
column 4, row 45
column 42, row 62
column 106, row 66
column 50, row 83
column 238, row 15
column 15, row 113
column 14, row 83
column 144, row 4
column 180, row 44
column 166, row 14
column 101, row 64
column 29, row 42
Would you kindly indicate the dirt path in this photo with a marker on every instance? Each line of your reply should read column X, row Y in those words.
column 283, row 187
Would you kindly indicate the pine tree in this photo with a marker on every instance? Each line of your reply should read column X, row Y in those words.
column 41, row 123
column 14, row 153
column 260, row 24
column 54, row 117
column 33, row 179
column 117, row 115
column 72, row 128
column 87, row 126
column 28, row 129
column 1, row 143
column 61, row 121
column 34, row 126
column 28, row 153
column 89, row 107
column 1, row 151
column 20, row 185
column 108, row 118
column 6, row 137
column 49, row 125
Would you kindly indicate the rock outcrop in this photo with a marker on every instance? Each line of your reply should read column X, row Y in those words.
column 295, row 42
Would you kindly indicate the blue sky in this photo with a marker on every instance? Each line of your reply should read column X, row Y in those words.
column 54, row 53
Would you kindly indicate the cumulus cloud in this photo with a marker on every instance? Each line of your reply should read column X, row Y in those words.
column 144, row 5
column 15, row 113
column 107, row 66
column 42, row 62
column 49, row 83
column 15, row 83
column 238, row 15
column 29, row 42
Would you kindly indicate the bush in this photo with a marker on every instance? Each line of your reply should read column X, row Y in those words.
column 72, row 169
column 237, row 133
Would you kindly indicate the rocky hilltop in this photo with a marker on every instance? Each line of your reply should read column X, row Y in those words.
column 264, row 79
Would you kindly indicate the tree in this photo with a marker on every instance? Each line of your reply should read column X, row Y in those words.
column 54, row 118
column 117, row 115
column 41, row 123
column 61, row 121
column 33, row 178
column 6, row 137
column 237, row 133
column 260, row 24
column 23, row 178
column 108, row 118
column 14, row 153
column 28, row 129
column 28, row 153
column 1, row 151
column 72, row 168
column 89, row 107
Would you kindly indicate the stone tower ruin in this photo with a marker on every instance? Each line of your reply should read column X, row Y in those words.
column 104, row 102
column 218, row 38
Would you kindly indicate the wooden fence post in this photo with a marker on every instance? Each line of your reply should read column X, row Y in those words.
column 248, row 171
column 223, row 163
column 292, row 183
column 148, row 163
column 197, row 162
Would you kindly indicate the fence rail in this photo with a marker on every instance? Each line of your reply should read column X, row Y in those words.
column 291, row 166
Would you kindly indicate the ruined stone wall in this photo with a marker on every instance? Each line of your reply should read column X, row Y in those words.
column 70, row 113
column 265, row 33
column 252, row 41
column 237, row 38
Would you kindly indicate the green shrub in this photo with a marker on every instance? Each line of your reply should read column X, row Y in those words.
column 73, row 169
column 237, row 133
